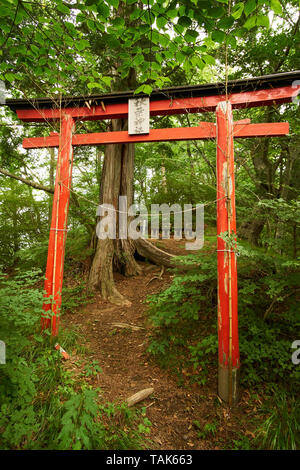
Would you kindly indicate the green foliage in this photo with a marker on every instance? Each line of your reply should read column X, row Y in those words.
column 175, row 312
column 21, row 307
column 209, row 429
column 74, row 296
column 185, row 321
column 42, row 405
column 92, row 369
column 243, row 443
column 201, row 354
column 97, row 34
column 281, row 430
column 80, row 429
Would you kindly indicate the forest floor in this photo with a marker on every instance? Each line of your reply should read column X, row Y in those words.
column 183, row 415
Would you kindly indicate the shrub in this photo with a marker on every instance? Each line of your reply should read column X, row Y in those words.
column 184, row 317
column 42, row 406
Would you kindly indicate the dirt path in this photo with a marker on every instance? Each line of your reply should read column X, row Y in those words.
column 128, row 368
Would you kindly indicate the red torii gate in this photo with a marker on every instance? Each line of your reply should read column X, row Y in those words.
column 267, row 91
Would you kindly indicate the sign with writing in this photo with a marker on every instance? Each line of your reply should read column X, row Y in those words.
column 138, row 116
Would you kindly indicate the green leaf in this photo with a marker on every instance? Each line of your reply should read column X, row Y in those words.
column 112, row 40
column 159, row 58
column 263, row 20
column 4, row 11
column 180, row 57
column 240, row 32
column 21, row 14
column 218, row 36
column 161, row 22
column 276, row 6
column 185, row 21
column 106, row 80
column 216, row 12
column 149, row 18
column 63, row 8
column 231, row 41
column 164, row 40
column 113, row 3
column 91, row 25
column 94, row 85
column 147, row 89
column 251, row 22
column 238, row 10
column 226, row 22
column 249, row 7
column 118, row 22
column 10, row 77
column 208, row 59
column 82, row 44
column 191, row 35
column 171, row 14
column 103, row 10
column 138, row 59
column 34, row 49
column 179, row 28
column 136, row 14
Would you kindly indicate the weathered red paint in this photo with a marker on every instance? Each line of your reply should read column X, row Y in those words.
column 205, row 130
column 226, row 222
column 58, row 230
column 264, row 129
column 165, row 107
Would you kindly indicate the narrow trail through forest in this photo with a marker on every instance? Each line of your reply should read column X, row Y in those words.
column 178, row 410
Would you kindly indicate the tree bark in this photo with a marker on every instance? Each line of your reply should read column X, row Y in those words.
column 117, row 180
column 118, row 254
column 251, row 229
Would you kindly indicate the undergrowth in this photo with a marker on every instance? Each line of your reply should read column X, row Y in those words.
column 183, row 316
column 43, row 406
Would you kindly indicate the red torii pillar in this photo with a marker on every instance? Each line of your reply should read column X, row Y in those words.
column 58, row 229
column 229, row 359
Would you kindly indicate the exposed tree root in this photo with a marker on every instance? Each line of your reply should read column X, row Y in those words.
column 157, row 277
column 154, row 254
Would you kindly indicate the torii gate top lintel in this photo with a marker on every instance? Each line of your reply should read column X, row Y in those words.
column 251, row 92
column 261, row 91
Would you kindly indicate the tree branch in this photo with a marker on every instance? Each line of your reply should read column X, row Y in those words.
column 26, row 181
column 82, row 218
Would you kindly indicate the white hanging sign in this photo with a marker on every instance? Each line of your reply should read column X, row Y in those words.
column 138, row 116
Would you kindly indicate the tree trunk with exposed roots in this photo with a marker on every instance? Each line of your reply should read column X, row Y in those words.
column 117, row 180
column 118, row 254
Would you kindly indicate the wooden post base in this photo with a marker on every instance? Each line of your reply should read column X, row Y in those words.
column 224, row 385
